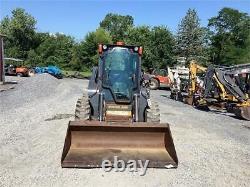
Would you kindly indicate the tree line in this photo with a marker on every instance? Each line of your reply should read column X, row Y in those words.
column 225, row 41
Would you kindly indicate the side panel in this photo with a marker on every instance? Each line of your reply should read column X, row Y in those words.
column 93, row 93
column 143, row 103
column 93, row 82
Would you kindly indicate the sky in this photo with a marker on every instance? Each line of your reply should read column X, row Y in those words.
column 78, row 17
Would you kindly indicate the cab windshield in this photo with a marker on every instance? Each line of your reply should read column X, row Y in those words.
column 120, row 72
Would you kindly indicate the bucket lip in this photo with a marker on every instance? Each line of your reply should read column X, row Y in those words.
column 94, row 123
column 80, row 165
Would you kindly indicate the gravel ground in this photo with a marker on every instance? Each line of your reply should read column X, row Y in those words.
column 213, row 147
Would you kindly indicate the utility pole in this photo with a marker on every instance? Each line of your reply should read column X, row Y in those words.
column 2, row 76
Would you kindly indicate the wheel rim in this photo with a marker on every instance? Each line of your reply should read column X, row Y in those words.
column 152, row 84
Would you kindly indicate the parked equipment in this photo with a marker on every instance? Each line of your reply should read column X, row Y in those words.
column 11, row 69
column 159, row 78
column 221, row 90
column 52, row 70
column 117, row 117
column 164, row 78
column 195, row 87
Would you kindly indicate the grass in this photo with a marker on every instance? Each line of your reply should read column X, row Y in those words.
column 82, row 73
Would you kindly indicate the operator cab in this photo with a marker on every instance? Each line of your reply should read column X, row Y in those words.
column 120, row 71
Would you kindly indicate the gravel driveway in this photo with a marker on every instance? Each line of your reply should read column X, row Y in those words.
column 213, row 147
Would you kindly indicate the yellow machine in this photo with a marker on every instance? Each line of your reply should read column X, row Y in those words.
column 194, row 86
column 221, row 90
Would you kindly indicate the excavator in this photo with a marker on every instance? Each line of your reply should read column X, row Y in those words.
column 117, row 117
column 221, row 89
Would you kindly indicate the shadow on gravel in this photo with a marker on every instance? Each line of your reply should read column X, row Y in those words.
column 60, row 116
column 165, row 96
column 7, row 85
column 169, row 113
column 248, row 127
column 236, row 117
column 225, row 113
column 164, row 88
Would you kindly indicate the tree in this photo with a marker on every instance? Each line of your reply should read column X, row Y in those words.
column 162, row 47
column 157, row 45
column 89, row 54
column 230, row 40
column 141, row 36
column 190, row 37
column 56, row 49
column 117, row 25
column 20, row 31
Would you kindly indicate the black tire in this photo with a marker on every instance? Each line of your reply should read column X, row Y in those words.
column 31, row 73
column 19, row 75
column 59, row 76
column 153, row 84
column 83, row 109
column 153, row 113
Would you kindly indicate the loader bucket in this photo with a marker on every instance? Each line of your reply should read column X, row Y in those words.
column 243, row 112
column 88, row 143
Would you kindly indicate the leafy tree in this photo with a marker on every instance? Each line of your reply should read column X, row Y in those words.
column 56, row 50
column 20, row 31
column 141, row 36
column 226, row 40
column 33, row 59
column 88, row 48
column 190, row 37
column 76, row 62
column 157, row 45
column 117, row 25
column 162, row 47
column 230, row 41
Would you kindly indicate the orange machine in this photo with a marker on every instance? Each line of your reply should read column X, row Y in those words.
column 159, row 79
column 15, row 70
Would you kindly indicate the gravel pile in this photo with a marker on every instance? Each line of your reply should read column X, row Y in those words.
column 28, row 88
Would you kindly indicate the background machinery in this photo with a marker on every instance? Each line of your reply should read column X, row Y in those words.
column 117, row 117
column 159, row 78
column 192, row 88
column 223, row 90
column 164, row 78
column 16, row 68
column 195, row 86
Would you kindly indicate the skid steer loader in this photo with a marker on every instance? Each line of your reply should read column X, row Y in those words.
column 117, row 118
